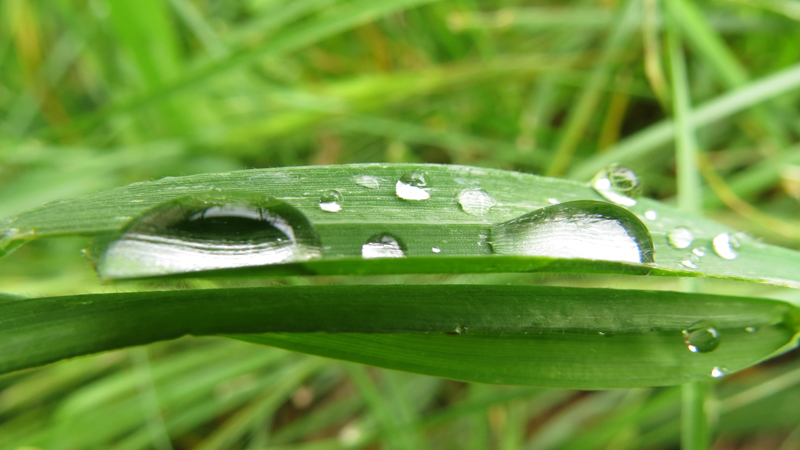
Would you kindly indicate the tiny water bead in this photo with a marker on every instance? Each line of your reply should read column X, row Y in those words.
column 436, row 250
column 617, row 184
column 751, row 329
column 691, row 261
column 719, row 372
column 382, row 246
column 651, row 215
column 412, row 186
column 367, row 181
column 553, row 201
column 194, row 234
column 725, row 246
column 701, row 337
column 583, row 229
column 699, row 251
column 331, row 201
column 475, row 201
column 680, row 237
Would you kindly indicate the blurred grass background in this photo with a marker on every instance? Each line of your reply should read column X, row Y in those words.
column 99, row 93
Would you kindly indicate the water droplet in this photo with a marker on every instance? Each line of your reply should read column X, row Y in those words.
column 583, row 229
column 651, row 215
column 412, row 186
column 331, row 201
column 193, row 234
column 691, row 261
column 553, row 201
column 701, row 337
column 617, row 184
column 436, row 249
column 725, row 246
column 680, row 237
column 719, row 372
column 367, row 181
column 751, row 329
column 459, row 330
column 382, row 246
column 699, row 251
column 476, row 202
column 138, row 200
column 606, row 333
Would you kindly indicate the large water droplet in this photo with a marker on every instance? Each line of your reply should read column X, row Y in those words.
column 192, row 234
column 412, row 186
column 701, row 337
column 583, row 229
column 476, row 202
column 331, row 201
column 617, row 184
column 680, row 237
column 725, row 246
column 367, row 181
column 382, row 246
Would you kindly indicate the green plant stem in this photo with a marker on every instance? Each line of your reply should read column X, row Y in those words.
column 694, row 424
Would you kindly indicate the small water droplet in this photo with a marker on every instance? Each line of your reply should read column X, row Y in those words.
column 680, row 237
column 331, row 201
column 436, row 249
column 651, row 215
column 725, row 246
column 606, row 333
column 582, row 229
column 691, row 261
column 459, row 330
column 193, row 234
column 367, row 181
column 475, row 201
column 617, row 184
column 751, row 329
column 138, row 200
column 701, row 337
column 719, row 372
column 553, row 201
column 412, row 186
column 382, row 246
column 699, row 251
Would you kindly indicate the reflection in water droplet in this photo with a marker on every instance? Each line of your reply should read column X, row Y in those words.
column 192, row 234
column 582, row 229
column 719, row 372
column 436, row 249
column 725, row 245
column 368, row 181
column 701, row 337
column 331, row 201
column 411, row 186
column 553, row 201
column 617, row 184
column 699, row 251
column 680, row 237
column 751, row 329
column 382, row 246
column 651, row 215
column 476, row 202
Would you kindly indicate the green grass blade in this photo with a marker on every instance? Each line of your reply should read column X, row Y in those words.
column 560, row 337
column 438, row 222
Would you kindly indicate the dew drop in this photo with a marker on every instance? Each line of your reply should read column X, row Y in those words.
column 475, row 201
column 725, row 246
column 583, row 229
column 617, row 184
column 701, row 337
column 459, row 330
column 331, row 201
column 412, row 186
column 699, row 251
column 751, row 329
column 436, row 249
column 193, row 234
column 719, row 372
column 382, row 246
column 651, row 215
column 553, row 201
column 680, row 237
column 367, row 181
column 691, row 261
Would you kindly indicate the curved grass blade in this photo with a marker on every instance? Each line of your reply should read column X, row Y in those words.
column 542, row 336
column 438, row 223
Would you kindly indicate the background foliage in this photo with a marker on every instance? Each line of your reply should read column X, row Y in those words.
column 96, row 94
